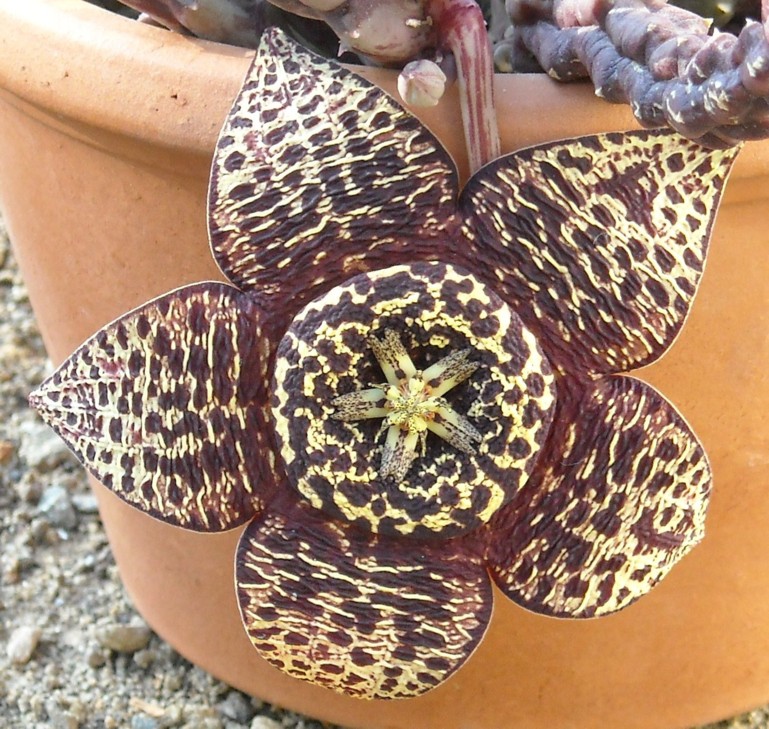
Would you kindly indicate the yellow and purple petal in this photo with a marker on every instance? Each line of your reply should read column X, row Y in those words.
column 367, row 616
column 318, row 175
column 599, row 242
column 165, row 407
column 617, row 498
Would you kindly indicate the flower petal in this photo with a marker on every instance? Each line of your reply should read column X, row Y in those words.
column 370, row 617
column 319, row 175
column 164, row 407
column 618, row 496
column 599, row 242
column 341, row 467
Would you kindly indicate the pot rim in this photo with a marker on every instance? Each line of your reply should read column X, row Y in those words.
column 171, row 86
column 173, row 91
column 168, row 88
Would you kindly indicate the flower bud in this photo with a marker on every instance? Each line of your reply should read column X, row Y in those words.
column 421, row 83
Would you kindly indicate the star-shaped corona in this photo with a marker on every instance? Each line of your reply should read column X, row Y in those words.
column 411, row 403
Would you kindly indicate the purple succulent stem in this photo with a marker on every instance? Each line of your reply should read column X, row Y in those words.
column 461, row 29
column 659, row 59
column 166, row 12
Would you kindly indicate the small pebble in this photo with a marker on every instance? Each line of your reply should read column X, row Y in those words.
column 172, row 682
column 22, row 644
column 86, row 503
column 64, row 721
column 37, row 706
column 123, row 638
column 206, row 722
column 236, row 707
column 142, row 721
column 6, row 451
column 96, row 657
column 41, row 448
column 56, row 506
column 86, row 563
column 58, row 719
column 144, row 658
column 37, row 531
column 173, row 715
column 147, row 707
column 30, row 490
column 264, row 722
column 14, row 565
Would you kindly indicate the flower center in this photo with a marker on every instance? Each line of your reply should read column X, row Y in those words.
column 411, row 403
column 350, row 338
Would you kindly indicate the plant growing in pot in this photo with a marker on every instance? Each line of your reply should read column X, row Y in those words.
column 551, row 446
column 660, row 58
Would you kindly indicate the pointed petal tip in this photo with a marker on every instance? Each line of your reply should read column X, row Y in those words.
column 616, row 281
column 126, row 404
column 35, row 399
column 254, row 227
column 45, row 400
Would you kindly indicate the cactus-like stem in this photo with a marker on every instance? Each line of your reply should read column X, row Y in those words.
column 165, row 12
column 395, row 32
column 460, row 28
column 240, row 22
column 659, row 59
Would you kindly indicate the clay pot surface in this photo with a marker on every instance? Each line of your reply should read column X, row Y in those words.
column 106, row 133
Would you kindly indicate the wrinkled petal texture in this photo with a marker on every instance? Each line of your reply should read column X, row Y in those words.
column 366, row 616
column 319, row 175
column 162, row 406
column 598, row 243
column 618, row 497
column 437, row 309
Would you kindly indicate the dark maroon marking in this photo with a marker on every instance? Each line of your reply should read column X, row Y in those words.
column 142, row 326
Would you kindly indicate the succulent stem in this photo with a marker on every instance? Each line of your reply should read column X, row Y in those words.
column 765, row 17
column 166, row 12
column 460, row 29
column 660, row 59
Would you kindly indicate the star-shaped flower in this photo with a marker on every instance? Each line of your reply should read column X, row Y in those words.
column 410, row 393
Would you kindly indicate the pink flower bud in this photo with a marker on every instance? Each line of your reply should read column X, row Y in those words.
column 421, row 83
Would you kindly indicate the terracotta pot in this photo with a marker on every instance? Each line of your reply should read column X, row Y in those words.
column 106, row 132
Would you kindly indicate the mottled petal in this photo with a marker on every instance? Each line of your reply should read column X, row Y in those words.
column 437, row 309
column 370, row 617
column 599, row 242
column 163, row 407
column 618, row 497
column 318, row 175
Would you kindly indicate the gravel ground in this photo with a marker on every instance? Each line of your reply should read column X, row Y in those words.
column 74, row 654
